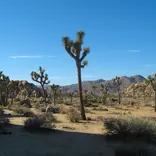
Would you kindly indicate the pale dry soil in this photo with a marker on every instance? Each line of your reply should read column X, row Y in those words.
column 69, row 139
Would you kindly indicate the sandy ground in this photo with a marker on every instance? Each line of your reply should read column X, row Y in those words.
column 69, row 139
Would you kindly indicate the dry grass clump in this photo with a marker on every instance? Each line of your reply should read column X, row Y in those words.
column 74, row 115
column 37, row 123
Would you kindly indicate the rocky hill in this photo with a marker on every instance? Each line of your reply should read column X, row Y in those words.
column 127, row 81
column 139, row 90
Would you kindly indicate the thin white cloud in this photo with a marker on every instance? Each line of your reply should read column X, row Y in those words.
column 30, row 57
column 134, row 51
column 148, row 65
column 25, row 57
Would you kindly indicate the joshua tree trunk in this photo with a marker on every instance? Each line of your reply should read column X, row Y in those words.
column 71, row 99
column 12, row 101
column 155, row 100
column 54, row 99
column 7, row 92
column 44, row 95
column 83, row 116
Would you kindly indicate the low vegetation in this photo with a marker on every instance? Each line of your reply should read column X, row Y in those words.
column 74, row 115
column 37, row 123
column 132, row 127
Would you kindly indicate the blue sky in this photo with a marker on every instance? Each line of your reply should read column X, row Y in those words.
column 121, row 35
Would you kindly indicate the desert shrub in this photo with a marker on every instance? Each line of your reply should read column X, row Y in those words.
column 43, row 109
column 25, row 111
column 67, row 103
column 53, row 109
column 60, row 101
column 100, row 109
column 36, row 123
column 136, row 127
column 100, row 118
column 74, row 115
column 18, row 110
column 65, row 109
column 48, row 116
column 94, row 105
column 17, row 99
column 25, row 103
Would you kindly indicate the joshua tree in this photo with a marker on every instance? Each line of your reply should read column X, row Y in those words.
column 42, row 79
column 104, row 92
column 74, row 49
column 94, row 91
column 54, row 89
column 4, row 91
column 71, row 97
column 151, row 80
column 117, row 83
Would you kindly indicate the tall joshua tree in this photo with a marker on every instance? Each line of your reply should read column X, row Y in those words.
column 54, row 89
column 117, row 83
column 151, row 80
column 42, row 79
column 74, row 49
column 104, row 92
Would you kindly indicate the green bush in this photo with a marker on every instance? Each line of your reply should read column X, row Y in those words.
column 129, row 126
column 74, row 115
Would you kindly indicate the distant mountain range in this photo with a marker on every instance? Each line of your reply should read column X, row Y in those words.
column 127, row 81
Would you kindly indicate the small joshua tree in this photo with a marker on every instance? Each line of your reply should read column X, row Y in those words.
column 42, row 79
column 94, row 91
column 151, row 80
column 74, row 49
column 117, row 83
column 85, row 95
column 104, row 92
column 54, row 89
column 71, row 94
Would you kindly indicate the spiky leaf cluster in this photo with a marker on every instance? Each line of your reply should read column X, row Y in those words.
column 71, row 94
column 117, row 81
column 75, row 50
column 104, row 89
column 54, row 88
